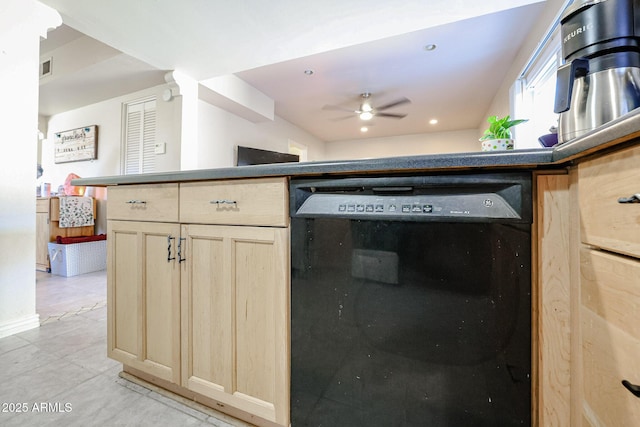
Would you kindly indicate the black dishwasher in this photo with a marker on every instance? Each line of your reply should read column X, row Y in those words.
column 411, row 300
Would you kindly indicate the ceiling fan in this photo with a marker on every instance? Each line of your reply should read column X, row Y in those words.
column 366, row 111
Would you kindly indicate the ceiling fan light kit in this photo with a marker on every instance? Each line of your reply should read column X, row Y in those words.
column 368, row 111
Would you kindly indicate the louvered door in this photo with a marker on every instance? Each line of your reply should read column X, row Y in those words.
column 140, row 137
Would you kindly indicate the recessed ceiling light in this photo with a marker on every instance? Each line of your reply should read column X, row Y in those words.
column 433, row 121
column 430, row 47
column 308, row 72
column 364, row 129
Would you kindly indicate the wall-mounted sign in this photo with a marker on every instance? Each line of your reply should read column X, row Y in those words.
column 76, row 144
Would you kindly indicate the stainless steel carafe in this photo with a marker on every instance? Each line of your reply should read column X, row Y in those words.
column 600, row 80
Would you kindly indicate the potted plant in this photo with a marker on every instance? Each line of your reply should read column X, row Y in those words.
column 498, row 135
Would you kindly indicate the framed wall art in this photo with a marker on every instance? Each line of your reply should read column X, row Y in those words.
column 76, row 144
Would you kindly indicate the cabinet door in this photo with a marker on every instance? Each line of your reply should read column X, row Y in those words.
column 143, row 297
column 235, row 317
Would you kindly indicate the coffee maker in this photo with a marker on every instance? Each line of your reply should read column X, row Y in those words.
column 600, row 80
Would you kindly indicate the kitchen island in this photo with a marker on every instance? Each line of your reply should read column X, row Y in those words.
column 220, row 334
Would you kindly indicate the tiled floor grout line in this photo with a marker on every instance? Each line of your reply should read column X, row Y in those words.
column 182, row 404
column 73, row 313
column 47, row 371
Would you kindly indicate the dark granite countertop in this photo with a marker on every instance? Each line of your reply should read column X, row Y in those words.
column 617, row 132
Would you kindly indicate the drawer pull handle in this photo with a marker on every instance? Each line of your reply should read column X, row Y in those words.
column 632, row 388
column 181, row 259
column 136, row 202
column 224, row 202
column 634, row 198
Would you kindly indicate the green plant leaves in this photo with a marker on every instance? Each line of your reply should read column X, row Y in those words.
column 499, row 128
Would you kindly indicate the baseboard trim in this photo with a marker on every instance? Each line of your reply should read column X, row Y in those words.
column 19, row 325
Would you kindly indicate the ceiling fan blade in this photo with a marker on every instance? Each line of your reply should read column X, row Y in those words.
column 339, row 119
column 338, row 108
column 393, row 104
column 391, row 115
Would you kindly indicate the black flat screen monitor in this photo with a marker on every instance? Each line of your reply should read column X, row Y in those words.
column 254, row 156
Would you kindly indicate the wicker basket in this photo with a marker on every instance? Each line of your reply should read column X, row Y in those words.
column 77, row 258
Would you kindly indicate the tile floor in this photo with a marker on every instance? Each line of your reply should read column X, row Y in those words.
column 59, row 374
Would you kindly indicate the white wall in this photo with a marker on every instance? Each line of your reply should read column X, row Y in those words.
column 408, row 145
column 501, row 104
column 21, row 24
column 108, row 116
column 220, row 132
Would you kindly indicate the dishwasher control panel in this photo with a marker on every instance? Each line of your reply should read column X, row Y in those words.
column 391, row 207
column 480, row 205
column 481, row 197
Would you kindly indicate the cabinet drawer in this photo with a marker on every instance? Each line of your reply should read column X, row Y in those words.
column 610, row 335
column 153, row 202
column 42, row 205
column 261, row 201
column 609, row 356
column 610, row 287
column 605, row 222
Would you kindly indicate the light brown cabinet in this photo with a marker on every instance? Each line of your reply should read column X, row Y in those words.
column 235, row 317
column 261, row 202
column 609, row 290
column 43, row 235
column 202, row 306
column 143, row 295
column 148, row 203
column 606, row 223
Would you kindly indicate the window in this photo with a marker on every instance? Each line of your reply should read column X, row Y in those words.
column 535, row 101
column 534, row 92
column 139, row 137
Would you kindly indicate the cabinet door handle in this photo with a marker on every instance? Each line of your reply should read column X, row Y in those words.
column 634, row 198
column 180, row 258
column 169, row 257
column 634, row 389
column 136, row 202
column 224, row 202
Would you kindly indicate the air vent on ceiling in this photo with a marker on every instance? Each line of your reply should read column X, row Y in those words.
column 45, row 68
